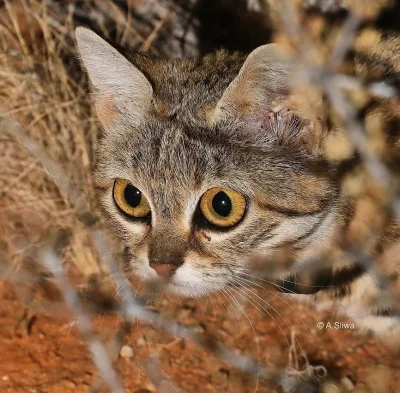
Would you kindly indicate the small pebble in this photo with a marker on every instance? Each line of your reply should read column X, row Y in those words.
column 150, row 387
column 5, row 378
column 331, row 387
column 197, row 329
column 347, row 383
column 126, row 351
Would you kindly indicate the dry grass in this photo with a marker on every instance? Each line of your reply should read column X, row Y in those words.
column 43, row 89
column 48, row 132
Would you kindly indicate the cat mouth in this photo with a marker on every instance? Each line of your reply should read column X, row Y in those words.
column 189, row 291
column 185, row 281
column 193, row 289
column 179, row 287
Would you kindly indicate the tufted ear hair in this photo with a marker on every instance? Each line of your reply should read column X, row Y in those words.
column 262, row 79
column 261, row 99
column 119, row 87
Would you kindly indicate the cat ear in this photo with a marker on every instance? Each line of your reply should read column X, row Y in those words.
column 119, row 87
column 262, row 79
column 261, row 100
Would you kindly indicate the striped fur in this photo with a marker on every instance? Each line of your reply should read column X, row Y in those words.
column 177, row 128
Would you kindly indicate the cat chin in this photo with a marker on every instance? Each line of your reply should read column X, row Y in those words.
column 191, row 291
column 187, row 282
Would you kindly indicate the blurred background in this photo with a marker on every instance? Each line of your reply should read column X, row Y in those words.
column 65, row 321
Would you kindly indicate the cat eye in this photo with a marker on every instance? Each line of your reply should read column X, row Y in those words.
column 222, row 207
column 130, row 199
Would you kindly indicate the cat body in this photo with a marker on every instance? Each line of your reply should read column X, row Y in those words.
column 204, row 169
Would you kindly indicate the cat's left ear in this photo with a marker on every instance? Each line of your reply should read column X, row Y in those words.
column 261, row 100
column 119, row 87
column 262, row 79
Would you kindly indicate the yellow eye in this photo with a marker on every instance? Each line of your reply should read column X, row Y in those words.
column 222, row 207
column 130, row 199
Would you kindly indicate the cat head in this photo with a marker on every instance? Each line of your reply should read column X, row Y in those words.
column 204, row 164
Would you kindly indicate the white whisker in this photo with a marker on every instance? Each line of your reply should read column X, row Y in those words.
column 262, row 308
column 227, row 291
column 273, row 308
column 274, row 294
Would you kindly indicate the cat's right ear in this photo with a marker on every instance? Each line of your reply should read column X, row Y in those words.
column 119, row 87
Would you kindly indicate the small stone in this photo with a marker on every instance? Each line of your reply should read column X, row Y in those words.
column 331, row 386
column 184, row 314
column 347, row 383
column 5, row 378
column 197, row 329
column 150, row 387
column 126, row 351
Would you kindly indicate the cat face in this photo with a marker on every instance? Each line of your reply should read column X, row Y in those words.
column 198, row 173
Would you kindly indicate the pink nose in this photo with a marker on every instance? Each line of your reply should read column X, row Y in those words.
column 164, row 270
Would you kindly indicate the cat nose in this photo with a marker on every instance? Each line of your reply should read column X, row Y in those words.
column 164, row 270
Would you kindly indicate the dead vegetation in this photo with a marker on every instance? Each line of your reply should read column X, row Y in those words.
column 48, row 132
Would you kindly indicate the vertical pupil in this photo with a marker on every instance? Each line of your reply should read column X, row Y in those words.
column 132, row 195
column 222, row 204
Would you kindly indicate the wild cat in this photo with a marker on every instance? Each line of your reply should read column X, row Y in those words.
column 203, row 168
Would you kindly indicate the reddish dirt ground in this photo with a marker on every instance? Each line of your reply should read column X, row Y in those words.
column 43, row 353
